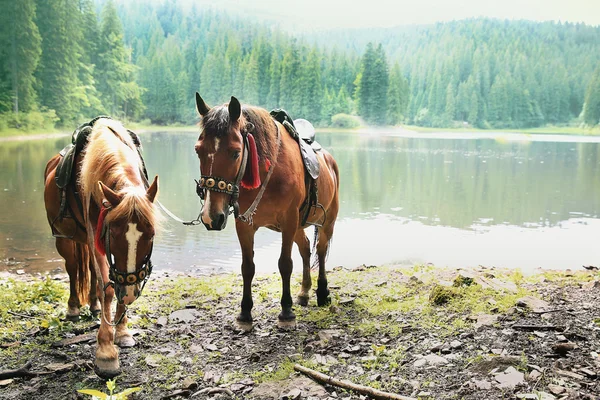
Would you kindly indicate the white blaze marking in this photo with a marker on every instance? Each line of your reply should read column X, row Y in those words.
column 133, row 236
column 205, row 210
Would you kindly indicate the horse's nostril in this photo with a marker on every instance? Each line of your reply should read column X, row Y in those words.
column 220, row 220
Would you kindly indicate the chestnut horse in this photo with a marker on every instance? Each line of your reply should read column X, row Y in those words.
column 250, row 163
column 107, row 242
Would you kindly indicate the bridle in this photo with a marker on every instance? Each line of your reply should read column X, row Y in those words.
column 220, row 185
column 118, row 278
column 216, row 184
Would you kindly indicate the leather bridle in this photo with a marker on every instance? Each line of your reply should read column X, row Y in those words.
column 220, row 185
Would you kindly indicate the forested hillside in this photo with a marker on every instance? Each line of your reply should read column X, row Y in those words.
column 68, row 60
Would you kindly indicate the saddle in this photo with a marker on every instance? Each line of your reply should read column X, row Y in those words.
column 304, row 134
column 65, row 178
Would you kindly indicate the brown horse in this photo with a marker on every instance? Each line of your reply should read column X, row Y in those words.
column 107, row 242
column 250, row 163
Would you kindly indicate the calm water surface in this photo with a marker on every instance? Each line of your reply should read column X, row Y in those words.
column 455, row 200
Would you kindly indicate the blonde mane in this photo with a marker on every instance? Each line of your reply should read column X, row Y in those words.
column 111, row 157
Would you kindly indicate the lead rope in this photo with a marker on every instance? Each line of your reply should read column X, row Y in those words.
column 248, row 216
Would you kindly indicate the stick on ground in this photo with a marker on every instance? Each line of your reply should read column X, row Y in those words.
column 18, row 373
column 374, row 393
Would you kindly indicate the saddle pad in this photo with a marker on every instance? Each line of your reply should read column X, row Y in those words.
column 65, row 166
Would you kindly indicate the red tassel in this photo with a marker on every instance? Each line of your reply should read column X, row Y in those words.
column 267, row 165
column 251, row 178
column 98, row 242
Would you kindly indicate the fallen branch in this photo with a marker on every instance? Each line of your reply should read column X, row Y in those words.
column 366, row 390
column 538, row 327
column 214, row 390
column 21, row 315
column 18, row 373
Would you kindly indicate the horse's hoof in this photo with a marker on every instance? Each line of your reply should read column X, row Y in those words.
column 323, row 301
column 244, row 326
column 286, row 325
column 72, row 317
column 302, row 300
column 107, row 369
column 125, row 341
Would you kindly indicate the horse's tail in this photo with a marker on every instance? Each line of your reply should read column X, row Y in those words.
column 82, row 258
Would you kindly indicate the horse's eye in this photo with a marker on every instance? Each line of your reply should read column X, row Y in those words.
column 236, row 155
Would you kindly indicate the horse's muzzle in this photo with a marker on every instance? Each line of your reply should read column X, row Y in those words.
column 217, row 223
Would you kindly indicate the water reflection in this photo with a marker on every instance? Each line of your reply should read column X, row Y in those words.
column 452, row 201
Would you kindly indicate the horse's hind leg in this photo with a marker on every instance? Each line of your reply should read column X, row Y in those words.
column 245, row 234
column 66, row 249
column 304, row 248
column 94, row 291
column 323, row 298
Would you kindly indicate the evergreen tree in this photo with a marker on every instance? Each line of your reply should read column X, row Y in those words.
column 59, row 67
column 373, row 85
column 397, row 96
column 311, row 88
column 20, row 48
column 116, row 81
column 591, row 108
column 275, row 82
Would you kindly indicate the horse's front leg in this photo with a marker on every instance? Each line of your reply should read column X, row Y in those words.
column 287, row 318
column 245, row 234
column 107, row 354
column 123, row 338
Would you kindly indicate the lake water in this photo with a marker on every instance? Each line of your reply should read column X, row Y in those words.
column 449, row 199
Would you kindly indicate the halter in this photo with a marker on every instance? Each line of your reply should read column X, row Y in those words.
column 220, row 185
column 116, row 277
column 216, row 184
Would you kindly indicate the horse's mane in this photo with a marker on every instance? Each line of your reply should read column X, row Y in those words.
column 216, row 123
column 112, row 158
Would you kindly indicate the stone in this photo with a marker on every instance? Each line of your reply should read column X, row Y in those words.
column 563, row 348
column 57, row 367
column 534, row 375
column 186, row 315
column 211, row 347
column 455, row 344
column 591, row 285
column 153, row 360
column 431, row 359
column 196, row 348
column 533, row 303
column 536, row 396
column 162, row 321
column 189, row 384
column 485, row 320
column 556, row 389
column 424, row 394
column 482, row 385
column 6, row 382
column 510, row 378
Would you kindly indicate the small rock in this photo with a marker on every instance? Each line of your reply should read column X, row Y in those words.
column 375, row 377
column 562, row 338
column 482, row 385
column 421, row 362
column 237, row 387
column 588, row 372
column 186, row 315
column 346, row 301
column 533, row 303
column 555, row 389
column 153, row 360
column 20, row 271
column 211, row 347
column 196, row 348
column 563, row 348
column 431, row 359
column 368, row 359
column 536, row 396
column 510, row 378
column 534, row 375
column 455, row 344
column 485, row 320
column 424, row 394
column 437, row 347
column 591, row 285
column 6, row 382
column 57, row 367
column 293, row 394
column 162, row 321
column 189, row 384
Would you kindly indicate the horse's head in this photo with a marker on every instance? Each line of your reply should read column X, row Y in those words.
column 126, row 236
column 222, row 150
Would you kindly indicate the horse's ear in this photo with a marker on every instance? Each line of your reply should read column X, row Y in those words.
column 152, row 190
column 113, row 198
column 235, row 109
column 201, row 106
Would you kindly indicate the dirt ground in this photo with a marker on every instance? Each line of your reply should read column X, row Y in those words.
column 422, row 332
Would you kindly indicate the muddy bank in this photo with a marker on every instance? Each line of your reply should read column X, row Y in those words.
column 421, row 332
